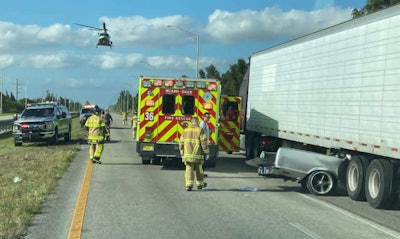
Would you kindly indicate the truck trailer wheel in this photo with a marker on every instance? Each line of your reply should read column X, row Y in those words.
column 253, row 148
column 321, row 183
column 377, row 184
column 249, row 147
column 355, row 178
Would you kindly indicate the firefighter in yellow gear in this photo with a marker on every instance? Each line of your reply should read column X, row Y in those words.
column 96, row 127
column 124, row 118
column 134, row 124
column 193, row 146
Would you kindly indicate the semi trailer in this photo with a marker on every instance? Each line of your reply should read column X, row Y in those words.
column 334, row 92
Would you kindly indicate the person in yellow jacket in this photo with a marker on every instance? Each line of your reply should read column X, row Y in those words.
column 193, row 146
column 97, row 128
column 124, row 118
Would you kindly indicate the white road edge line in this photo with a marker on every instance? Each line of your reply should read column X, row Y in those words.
column 305, row 230
column 356, row 217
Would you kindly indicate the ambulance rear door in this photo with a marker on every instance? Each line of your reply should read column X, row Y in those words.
column 176, row 107
column 230, row 109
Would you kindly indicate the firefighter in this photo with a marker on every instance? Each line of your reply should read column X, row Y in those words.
column 206, row 129
column 124, row 117
column 193, row 146
column 96, row 127
column 134, row 124
column 108, row 120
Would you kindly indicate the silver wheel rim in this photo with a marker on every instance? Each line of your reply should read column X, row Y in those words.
column 353, row 178
column 322, row 182
column 374, row 183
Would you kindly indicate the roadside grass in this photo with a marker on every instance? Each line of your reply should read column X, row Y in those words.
column 28, row 174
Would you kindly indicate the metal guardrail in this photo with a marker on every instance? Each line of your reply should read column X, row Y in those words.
column 6, row 125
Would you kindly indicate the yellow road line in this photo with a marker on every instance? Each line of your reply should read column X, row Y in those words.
column 75, row 229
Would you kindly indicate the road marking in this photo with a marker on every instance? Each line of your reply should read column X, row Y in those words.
column 378, row 227
column 305, row 230
column 75, row 229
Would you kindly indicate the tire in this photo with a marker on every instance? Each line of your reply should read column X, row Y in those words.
column 156, row 160
column 54, row 140
column 146, row 160
column 249, row 147
column 303, row 184
column 17, row 144
column 377, row 184
column 67, row 137
column 321, row 183
column 355, row 178
column 256, row 147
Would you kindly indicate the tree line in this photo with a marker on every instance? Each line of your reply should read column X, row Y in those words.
column 373, row 6
column 11, row 105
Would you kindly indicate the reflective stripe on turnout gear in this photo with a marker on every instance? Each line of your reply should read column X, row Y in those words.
column 193, row 144
column 96, row 127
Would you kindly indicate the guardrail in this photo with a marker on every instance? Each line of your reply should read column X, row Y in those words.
column 6, row 125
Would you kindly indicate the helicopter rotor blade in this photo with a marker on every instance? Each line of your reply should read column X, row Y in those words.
column 90, row 27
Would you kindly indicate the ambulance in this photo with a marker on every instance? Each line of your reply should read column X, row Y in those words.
column 229, row 138
column 165, row 107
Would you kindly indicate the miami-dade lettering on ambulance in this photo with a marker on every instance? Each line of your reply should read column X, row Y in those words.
column 165, row 107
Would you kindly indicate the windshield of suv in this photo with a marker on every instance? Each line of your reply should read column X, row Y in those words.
column 44, row 112
column 85, row 111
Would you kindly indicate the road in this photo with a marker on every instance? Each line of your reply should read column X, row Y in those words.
column 129, row 200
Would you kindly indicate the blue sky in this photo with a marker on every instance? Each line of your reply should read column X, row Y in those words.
column 45, row 50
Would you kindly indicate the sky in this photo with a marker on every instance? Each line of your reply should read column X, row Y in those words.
column 42, row 49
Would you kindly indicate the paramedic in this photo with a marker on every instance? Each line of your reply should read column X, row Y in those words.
column 206, row 129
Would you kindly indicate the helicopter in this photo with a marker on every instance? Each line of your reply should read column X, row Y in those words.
column 104, row 37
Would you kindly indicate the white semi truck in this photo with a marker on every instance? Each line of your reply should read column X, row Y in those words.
column 334, row 92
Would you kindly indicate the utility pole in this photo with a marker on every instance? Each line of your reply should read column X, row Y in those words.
column 26, row 93
column 18, row 88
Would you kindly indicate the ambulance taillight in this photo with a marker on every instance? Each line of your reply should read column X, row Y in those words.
column 148, row 132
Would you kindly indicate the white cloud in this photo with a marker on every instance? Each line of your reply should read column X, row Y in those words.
column 6, row 60
column 271, row 23
column 56, row 60
column 112, row 60
column 55, row 46
column 20, row 38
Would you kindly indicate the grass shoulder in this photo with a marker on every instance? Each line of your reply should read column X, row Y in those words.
column 28, row 174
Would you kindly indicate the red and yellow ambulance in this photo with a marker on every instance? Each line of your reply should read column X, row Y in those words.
column 165, row 107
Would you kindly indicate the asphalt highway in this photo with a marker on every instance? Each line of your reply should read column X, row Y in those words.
column 126, row 199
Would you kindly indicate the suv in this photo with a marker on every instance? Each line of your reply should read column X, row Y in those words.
column 42, row 122
column 85, row 113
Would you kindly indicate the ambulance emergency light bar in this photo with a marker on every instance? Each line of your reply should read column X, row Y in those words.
column 179, row 84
